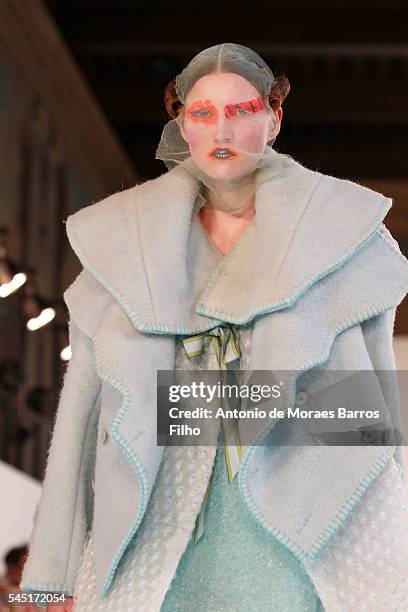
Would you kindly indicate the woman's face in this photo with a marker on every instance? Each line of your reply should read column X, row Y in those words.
column 227, row 126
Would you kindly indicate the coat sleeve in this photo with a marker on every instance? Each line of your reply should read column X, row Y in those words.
column 63, row 516
column 378, row 337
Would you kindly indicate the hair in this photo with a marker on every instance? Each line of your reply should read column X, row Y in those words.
column 14, row 555
column 278, row 94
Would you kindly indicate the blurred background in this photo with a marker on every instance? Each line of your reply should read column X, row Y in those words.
column 81, row 113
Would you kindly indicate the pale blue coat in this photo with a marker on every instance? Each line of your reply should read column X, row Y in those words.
column 317, row 261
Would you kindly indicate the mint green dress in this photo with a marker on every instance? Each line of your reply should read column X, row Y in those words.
column 236, row 566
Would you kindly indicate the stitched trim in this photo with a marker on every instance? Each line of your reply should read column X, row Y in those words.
column 80, row 466
column 348, row 506
column 153, row 328
column 77, row 494
column 219, row 269
column 53, row 586
column 220, row 316
column 130, row 456
column 288, row 301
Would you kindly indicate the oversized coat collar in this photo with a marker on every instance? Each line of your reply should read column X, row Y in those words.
column 140, row 244
column 317, row 260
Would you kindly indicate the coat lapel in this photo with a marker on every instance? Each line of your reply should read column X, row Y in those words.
column 125, row 472
column 306, row 226
column 304, row 493
column 139, row 245
column 142, row 246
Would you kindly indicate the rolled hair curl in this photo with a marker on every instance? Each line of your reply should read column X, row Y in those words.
column 278, row 94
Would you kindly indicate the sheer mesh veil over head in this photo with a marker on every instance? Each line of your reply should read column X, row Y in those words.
column 231, row 135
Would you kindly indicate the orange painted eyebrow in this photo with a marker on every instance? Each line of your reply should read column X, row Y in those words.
column 206, row 111
column 250, row 106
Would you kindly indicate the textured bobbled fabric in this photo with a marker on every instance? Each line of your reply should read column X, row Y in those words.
column 225, row 343
column 236, row 566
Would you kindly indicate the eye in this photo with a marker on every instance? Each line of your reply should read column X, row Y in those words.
column 201, row 113
column 244, row 111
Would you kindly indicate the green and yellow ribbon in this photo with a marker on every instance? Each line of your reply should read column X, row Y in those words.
column 225, row 340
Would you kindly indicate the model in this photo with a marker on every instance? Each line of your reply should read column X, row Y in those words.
column 238, row 257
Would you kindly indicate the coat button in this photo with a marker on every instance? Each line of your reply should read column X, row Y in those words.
column 104, row 436
column 370, row 437
column 302, row 397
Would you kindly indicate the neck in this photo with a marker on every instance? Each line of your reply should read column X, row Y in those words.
column 236, row 198
column 226, row 226
column 219, row 217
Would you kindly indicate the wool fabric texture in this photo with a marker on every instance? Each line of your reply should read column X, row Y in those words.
column 318, row 274
column 236, row 566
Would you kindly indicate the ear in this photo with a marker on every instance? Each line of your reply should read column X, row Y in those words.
column 275, row 124
column 180, row 123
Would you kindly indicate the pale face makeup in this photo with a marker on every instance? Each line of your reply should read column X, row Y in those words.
column 227, row 126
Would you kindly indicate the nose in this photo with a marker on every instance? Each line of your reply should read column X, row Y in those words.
column 222, row 130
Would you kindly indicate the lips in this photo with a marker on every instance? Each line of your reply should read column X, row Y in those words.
column 222, row 153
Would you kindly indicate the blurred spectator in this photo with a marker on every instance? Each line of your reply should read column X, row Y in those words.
column 9, row 583
column 14, row 560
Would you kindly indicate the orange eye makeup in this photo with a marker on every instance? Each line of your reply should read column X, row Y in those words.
column 244, row 108
column 206, row 112
column 202, row 111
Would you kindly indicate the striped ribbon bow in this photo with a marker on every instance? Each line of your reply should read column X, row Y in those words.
column 225, row 340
